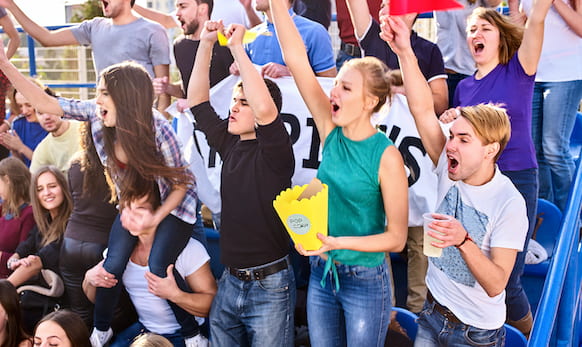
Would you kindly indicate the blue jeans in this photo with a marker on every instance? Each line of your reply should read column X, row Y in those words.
column 436, row 330
column 171, row 237
column 526, row 182
column 198, row 227
column 126, row 337
column 356, row 315
column 554, row 110
column 254, row 313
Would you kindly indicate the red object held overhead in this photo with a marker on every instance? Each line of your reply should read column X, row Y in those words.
column 400, row 7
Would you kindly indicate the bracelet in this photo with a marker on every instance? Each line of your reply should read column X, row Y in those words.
column 467, row 237
column 7, row 122
column 10, row 262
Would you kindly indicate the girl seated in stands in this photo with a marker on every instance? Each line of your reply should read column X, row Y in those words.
column 51, row 204
column 17, row 219
column 11, row 332
column 61, row 328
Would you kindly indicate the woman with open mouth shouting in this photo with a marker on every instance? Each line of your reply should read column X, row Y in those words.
column 138, row 147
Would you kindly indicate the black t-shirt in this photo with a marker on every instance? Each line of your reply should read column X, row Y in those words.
column 254, row 172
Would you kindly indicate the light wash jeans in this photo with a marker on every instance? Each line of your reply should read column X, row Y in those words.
column 436, row 330
column 254, row 313
column 554, row 110
column 356, row 315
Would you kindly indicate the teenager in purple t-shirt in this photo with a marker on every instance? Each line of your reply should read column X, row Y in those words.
column 506, row 58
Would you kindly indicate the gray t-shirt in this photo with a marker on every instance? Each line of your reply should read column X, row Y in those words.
column 141, row 41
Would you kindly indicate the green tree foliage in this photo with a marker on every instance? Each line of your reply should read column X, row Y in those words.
column 90, row 9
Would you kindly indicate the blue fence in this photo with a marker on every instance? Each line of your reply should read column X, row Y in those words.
column 557, row 321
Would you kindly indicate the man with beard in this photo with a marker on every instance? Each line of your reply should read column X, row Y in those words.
column 113, row 38
column 191, row 15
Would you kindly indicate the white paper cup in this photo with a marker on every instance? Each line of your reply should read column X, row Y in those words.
column 428, row 249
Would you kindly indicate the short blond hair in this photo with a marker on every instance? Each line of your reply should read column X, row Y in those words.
column 490, row 123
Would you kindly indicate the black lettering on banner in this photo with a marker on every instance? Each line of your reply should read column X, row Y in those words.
column 294, row 124
column 313, row 161
column 404, row 149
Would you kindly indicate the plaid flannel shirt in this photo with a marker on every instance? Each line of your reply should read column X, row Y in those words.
column 166, row 140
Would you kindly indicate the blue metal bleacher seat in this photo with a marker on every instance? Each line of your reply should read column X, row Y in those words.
column 546, row 233
column 576, row 138
column 407, row 321
column 514, row 337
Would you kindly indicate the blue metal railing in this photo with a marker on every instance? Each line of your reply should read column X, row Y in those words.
column 31, row 45
column 558, row 315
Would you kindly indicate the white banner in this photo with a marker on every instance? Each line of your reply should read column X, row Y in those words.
column 396, row 121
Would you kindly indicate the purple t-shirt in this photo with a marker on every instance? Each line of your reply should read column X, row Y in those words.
column 509, row 85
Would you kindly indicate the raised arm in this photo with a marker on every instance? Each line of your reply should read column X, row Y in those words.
column 255, row 89
column 360, row 15
column 419, row 95
column 199, row 85
column 166, row 20
column 47, row 38
column 572, row 17
column 251, row 13
column 41, row 101
column 531, row 46
column 296, row 59
column 12, row 33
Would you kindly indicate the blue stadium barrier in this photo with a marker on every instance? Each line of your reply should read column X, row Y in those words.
column 557, row 320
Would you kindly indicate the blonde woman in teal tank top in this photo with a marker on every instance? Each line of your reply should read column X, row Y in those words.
column 349, row 298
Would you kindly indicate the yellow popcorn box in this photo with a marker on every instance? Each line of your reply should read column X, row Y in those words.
column 303, row 211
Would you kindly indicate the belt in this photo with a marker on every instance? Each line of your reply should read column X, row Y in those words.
column 350, row 49
column 259, row 273
column 450, row 316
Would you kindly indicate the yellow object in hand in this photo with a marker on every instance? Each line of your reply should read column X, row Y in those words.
column 303, row 211
column 249, row 37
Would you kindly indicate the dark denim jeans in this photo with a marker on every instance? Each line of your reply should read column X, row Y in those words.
column 356, row 315
column 436, row 330
column 254, row 313
column 126, row 337
column 526, row 182
column 172, row 235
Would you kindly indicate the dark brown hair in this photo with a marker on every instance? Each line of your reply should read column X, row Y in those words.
column 18, row 176
column 73, row 326
column 51, row 229
column 10, row 301
column 131, row 91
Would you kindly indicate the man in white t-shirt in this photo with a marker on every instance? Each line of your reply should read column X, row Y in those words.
column 466, row 285
column 151, row 294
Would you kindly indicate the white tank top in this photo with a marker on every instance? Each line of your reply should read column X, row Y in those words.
column 561, row 58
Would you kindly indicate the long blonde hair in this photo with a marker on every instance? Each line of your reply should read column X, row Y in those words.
column 17, row 181
column 51, row 229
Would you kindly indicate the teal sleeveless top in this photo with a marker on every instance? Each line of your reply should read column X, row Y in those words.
column 355, row 208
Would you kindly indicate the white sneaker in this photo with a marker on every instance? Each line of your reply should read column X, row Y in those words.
column 100, row 338
column 195, row 341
